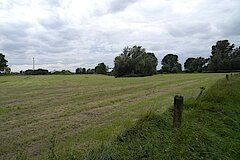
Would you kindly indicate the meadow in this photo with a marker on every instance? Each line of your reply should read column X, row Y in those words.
column 75, row 113
column 210, row 130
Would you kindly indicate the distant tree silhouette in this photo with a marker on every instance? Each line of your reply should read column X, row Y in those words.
column 63, row 72
column 80, row 70
column 101, row 68
column 90, row 71
column 36, row 72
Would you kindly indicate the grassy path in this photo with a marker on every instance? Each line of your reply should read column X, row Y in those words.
column 82, row 110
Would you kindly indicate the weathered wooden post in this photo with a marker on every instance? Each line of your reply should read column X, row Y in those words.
column 227, row 76
column 178, row 109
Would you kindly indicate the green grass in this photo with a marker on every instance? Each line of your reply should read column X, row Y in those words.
column 210, row 130
column 82, row 111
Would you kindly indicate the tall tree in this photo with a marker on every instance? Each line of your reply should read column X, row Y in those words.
column 101, row 68
column 3, row 62
column 221, row 56
column 170, row 64
column 135, row 60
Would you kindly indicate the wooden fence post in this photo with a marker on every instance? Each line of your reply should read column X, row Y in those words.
column 227, row 76
column 178, row 109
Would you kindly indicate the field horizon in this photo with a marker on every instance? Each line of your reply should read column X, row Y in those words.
column 82, row 111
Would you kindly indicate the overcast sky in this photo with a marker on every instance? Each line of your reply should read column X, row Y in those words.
column 66, row 34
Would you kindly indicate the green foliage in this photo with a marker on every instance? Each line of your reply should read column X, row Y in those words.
column 235, row 63
column 170, row 64
column 135, row 60
column 224, row 57
column 235, row 59
column 101, row 68
column 195, row 64
column 210, row 130
column 3, row 62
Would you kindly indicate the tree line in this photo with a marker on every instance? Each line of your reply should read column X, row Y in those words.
column 136, row 61
column 224, row 57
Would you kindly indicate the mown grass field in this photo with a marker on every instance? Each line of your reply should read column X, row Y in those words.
column 82, row 111
column 210, row 130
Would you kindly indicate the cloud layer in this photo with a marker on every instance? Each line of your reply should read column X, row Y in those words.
column 66, row 34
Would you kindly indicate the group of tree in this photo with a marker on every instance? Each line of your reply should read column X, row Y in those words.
column 224, row 57
column 81, row 70
column 36, row 72
column 101, row 68
column 135, row 61
column 44, row 72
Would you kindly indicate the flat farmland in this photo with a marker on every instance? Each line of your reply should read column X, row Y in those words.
column 82, row 111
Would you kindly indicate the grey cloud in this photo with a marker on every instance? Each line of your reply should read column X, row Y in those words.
column 11, row 4
column 222, row 15
column 13, row 46
column 52, row 22
column 70, row 34
column 13, row 30
column 15, row 37
column 5, row 5
column 112, row 7
column 231, row 27
column 119, row 5
column 51, row 3
column 189, row 29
